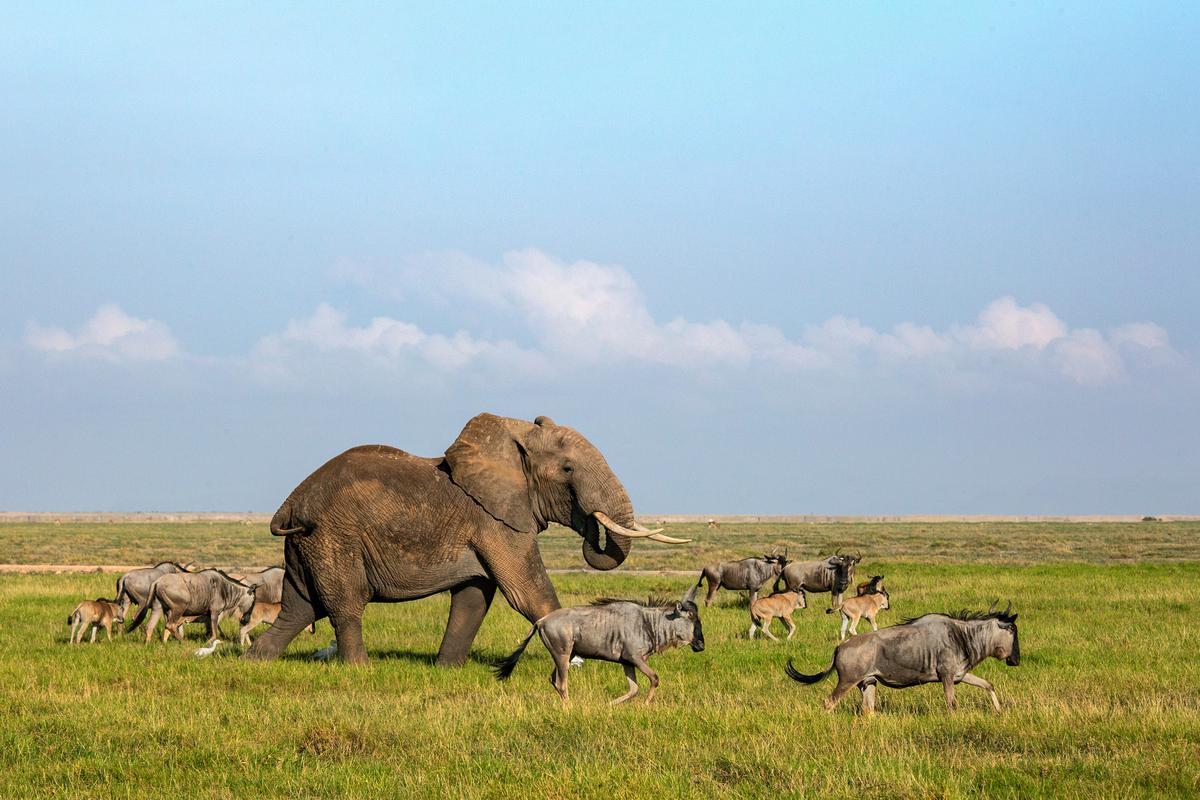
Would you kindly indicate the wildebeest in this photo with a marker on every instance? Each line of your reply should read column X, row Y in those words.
column 98, row 613
column 133, row 586
column 207, row 594
column 831, row 575
column 621, row 631
column 261, row 612
column 748, row 574
column 780, row 605
column 927, row 649
column 269, row 582
column 867, row 604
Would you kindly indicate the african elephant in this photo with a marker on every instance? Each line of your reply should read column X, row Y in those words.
column 376, row 524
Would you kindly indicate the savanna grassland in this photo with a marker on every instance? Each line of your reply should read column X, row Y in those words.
column 1104, row 704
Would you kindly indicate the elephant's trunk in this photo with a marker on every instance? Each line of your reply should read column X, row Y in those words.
column 616, row 547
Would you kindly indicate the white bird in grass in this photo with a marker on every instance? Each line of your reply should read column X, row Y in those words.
column 326, row 653
column 204, row 652
column 576, row 661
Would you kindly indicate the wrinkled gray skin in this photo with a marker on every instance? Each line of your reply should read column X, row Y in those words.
column 930, row 649
column 207, row 594
column 749, row 574
column 134, row 586
column 831, row 575
column 621, row 631
column 377, row 524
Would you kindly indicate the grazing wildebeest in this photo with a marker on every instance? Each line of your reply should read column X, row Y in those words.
column 866, row 605
column 928, row 649
column 831, row 575
column 621, row 631
column 748, row 574
column 98, row 613
column 780, row 605
column 133, row 586
column 207, row 594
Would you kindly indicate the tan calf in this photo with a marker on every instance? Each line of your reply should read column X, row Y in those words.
column 95, row 614
column 864, row 605
column 262, row 612
column 780, row 605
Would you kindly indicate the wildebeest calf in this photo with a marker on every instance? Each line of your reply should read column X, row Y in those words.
column 613, row 630
column 866, row 605
column 98, row 613
column 263, row 611
column 780, row 605
column 928, row 649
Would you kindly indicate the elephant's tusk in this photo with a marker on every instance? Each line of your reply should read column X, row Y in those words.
column 658, row 537
column 604, row 520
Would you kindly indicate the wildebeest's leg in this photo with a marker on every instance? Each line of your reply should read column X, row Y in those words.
column 558, row 678
column 948, row 684
column 845, row 624
column 640, row 663
column 975, row 680
column 469, row 604
column 108, row 630
column 75, row 630
column 753, row 626
column 92, row 640
column 156, row 612
column 766, row 629
column 791, row 626
column 868, row 696
column 854, row 624
column 714, row 583
column 753, row 596
column 631, row 676
column 840, row 691
column 874, row 627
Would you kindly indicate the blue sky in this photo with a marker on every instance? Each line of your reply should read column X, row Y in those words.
column 776, row 259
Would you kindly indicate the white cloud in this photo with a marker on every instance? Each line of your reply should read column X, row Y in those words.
column 110, row 334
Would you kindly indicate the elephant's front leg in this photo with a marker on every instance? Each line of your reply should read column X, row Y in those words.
column 469, row 604
column 516, row 565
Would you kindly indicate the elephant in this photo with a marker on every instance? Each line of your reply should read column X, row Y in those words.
column 377, row 524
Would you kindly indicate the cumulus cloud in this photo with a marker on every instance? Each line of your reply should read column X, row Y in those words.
column 110, row 334
column 595, row 313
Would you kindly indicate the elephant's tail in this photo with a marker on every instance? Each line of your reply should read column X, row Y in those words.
column 143, row 608
column 505, row 668
column 284, row 522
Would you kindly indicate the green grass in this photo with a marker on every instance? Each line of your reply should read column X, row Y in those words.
column 234, row 543
column 1104, row 705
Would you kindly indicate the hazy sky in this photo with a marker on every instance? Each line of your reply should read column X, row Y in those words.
column 789, row 258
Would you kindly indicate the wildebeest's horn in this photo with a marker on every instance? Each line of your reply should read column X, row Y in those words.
column 1008, row 609
column 992, row 607
column 690, row 595
column 607, row 522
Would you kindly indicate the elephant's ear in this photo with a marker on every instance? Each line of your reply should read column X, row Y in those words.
column 486, row 462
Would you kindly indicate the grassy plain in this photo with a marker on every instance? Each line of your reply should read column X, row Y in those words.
column 1104, row 704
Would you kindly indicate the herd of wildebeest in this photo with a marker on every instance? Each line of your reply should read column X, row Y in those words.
column 932, row 648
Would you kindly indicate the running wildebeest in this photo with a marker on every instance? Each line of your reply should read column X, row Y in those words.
column 748, row 574
column 927, row 649
column 780, row 605
column 133, row 586
column 867, row 604
column 98, row 613
column 207, row 594
column 831, row 575
column 621, row 631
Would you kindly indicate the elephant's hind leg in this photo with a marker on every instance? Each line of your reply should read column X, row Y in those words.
column 295, row 615
column 469, row 604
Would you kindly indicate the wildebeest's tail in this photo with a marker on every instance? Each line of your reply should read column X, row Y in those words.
column 796, row 675
column 74, row 615
column 836, row 605
column 505, row 668
column 143, row 608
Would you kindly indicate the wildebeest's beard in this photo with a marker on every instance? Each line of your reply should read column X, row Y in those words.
column 841, row 575
column 1014, row 655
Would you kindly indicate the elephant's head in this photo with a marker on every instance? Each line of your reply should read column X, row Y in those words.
column 528, row 475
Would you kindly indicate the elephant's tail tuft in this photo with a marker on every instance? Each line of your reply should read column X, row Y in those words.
column 505, row 668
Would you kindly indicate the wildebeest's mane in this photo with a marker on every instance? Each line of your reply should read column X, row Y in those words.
column 226, row 576
column 965, row 615
column 653, row 601
column 174, row 564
